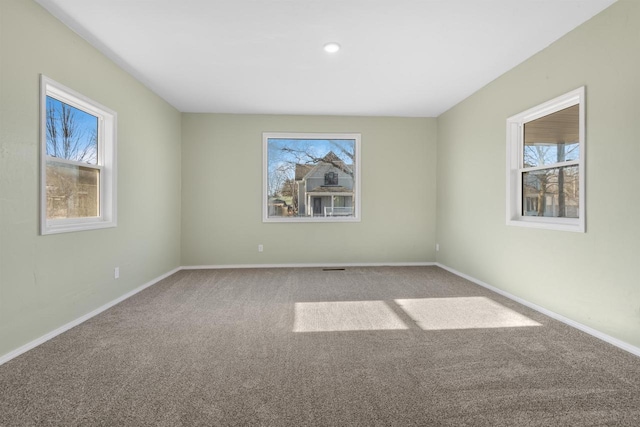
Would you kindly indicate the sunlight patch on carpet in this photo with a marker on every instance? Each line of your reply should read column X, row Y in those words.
column 462, row 313
column 345, row 316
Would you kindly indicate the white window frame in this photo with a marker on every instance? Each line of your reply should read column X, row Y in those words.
column 515, row 164
column 107, row 134
column 298, row 135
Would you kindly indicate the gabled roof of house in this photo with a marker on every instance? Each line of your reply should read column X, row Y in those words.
column 302, row 170
column 332, row 158
column 337, row 162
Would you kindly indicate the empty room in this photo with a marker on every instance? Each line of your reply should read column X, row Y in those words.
column 332, row 213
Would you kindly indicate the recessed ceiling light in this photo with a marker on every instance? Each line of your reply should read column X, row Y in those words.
column 332, row 47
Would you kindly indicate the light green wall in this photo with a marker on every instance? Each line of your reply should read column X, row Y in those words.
column 47, row 281
column 592, row 278
column 222, row 188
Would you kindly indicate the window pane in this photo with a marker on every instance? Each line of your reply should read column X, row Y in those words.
column 72, row 191
column 72, row 134
column 311, row 177
column 553, row 138
column 551, row 192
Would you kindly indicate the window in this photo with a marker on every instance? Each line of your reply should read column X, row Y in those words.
column 545, row 155
column 78, row 163
column 339, row 201
column 311, row 177
column 331, row 178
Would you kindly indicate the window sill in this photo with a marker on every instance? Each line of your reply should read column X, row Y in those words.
column 558, row 224
column 311, row 219
column 55, row 227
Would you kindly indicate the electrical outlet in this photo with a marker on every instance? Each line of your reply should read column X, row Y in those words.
column 116, row 273
column 260, row 248
column 437, row 247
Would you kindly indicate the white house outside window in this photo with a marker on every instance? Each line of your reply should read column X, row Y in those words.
column 311, row 177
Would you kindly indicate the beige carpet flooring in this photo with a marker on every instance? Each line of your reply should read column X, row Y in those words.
column 414, row 346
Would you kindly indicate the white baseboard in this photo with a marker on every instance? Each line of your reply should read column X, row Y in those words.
column 584, row 328
column 313, row 265
column 600, row 335
column 17, row 352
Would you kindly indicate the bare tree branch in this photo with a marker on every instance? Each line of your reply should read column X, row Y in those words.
column 310, row 159
column 65, row 138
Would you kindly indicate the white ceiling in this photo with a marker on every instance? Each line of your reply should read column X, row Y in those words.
column 398, row 57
